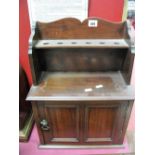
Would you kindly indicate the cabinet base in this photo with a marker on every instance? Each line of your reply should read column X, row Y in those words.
column 80, row 146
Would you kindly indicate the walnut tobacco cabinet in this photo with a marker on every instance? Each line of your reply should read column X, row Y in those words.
column 81, row 93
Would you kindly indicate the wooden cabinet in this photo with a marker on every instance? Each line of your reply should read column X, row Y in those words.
column 81, row 93
column 97, row 122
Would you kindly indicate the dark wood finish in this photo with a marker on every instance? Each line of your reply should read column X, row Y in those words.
column 35, row 66
column 81, row 86
column 69, row 58
column 72, row 122
column 127, row 66
column 99, row 123
column 73, row 28
column 63, row 122
column 79, row 59
column 81, row 93
column 127, row 117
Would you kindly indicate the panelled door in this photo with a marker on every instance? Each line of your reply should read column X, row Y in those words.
column 103, row 123
column 93, row 122
column 61, row 123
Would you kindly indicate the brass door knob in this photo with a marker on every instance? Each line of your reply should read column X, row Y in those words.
column 44, row 125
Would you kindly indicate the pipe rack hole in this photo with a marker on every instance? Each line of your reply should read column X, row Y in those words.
column 116, row 43
column 88, row 42
column 74, row 42
column 59, row 43
column 45, row 43
column 102, row 42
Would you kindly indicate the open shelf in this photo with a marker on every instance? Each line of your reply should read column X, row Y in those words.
column 69, row 45
column 81, row 86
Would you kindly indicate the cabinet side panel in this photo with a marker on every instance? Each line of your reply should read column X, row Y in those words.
column 35, row 66
column 37, row 120
column 129, row 106
column 128, row 66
